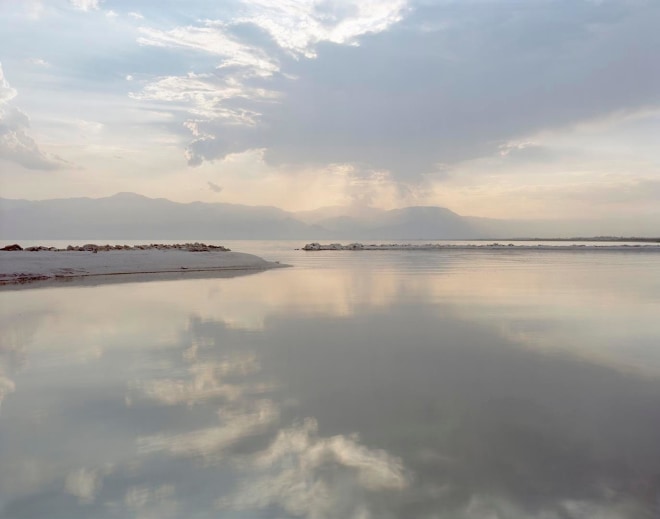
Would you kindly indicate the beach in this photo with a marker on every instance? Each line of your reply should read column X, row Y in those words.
column 29, row 266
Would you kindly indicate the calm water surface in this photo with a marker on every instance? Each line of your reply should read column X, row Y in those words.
column 387, row 384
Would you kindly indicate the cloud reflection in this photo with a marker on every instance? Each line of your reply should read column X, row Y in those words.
column 210, row 442
column 84, row 484
column 485, row 506
column 7, row 386
column 310, row 476
column 205, row 382
column 292, row 468
column 152, row 503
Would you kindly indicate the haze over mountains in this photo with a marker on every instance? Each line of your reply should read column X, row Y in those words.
column 131, row 216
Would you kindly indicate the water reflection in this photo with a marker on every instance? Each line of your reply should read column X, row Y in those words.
column 438, row 391
column 310, row 476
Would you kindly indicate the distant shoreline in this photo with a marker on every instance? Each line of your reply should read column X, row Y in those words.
column 634, row 239
column 315, row 246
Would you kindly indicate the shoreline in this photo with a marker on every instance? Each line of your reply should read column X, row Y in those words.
column 41, row 264
column 487, row 247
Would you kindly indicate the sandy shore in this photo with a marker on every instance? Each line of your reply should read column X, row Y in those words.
column 17, row 267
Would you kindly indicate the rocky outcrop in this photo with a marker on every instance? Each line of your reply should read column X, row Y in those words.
column 92, row 247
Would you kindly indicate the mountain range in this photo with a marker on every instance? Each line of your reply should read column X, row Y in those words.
column 131, row 216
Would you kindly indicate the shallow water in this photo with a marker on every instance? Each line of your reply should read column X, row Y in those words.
column 403, row 384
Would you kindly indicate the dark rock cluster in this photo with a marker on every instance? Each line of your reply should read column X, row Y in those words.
column 92, row 247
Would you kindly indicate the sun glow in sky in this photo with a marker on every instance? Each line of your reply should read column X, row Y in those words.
column 499, row 108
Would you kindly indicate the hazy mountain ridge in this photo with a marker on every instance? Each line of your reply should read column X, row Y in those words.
column 134, row 216
column 131, row 216
column 408, row 223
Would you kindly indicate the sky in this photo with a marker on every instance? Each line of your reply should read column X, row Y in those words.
column 496, row 108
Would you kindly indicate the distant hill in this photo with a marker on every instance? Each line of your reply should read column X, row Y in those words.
column 131, row 216
column 408, row 223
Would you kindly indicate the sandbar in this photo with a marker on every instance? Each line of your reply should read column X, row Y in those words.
column 21, row 266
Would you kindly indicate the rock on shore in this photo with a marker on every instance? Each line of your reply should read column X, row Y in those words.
column 190, row 247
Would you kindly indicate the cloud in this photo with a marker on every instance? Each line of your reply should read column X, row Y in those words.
column 515, row 146
column 232, row 93
column 16, row 144
column 7, row 93
column 397, row 87
column 396, row 104
column 634, row 194
column 213, row 38
column 207, row 95
column 227, row 97
column 299, row 26
column 39, row 62
column 135, row 15
column 86, row 5
column 214, row 187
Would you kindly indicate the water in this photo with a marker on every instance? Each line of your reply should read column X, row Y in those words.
column 387, row 384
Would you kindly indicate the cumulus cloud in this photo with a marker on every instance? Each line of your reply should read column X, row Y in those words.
column 16, row 143
column 299, row 26
column 86, row 5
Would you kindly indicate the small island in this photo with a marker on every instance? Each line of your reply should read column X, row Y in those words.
column 19, row 265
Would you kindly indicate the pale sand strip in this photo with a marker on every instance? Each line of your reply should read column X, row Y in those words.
column 28, row 266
